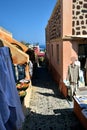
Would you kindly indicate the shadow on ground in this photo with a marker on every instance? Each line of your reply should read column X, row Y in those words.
column 63, row 119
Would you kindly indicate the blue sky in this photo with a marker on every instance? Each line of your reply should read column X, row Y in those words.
column 26, row 19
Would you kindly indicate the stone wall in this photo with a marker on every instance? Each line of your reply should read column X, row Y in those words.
column 79, row 17
column 53, row 29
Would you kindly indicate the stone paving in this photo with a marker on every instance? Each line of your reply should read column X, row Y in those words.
column 48, row 109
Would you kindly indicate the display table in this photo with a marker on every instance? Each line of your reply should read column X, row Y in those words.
column 80, row 109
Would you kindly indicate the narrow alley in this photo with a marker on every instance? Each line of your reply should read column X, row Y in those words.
column 48, row 109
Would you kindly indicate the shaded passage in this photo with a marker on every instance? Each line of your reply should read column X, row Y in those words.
column 49, row 110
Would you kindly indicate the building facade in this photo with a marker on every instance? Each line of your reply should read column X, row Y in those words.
column 66, row 36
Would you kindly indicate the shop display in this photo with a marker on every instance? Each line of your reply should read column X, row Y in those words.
column 22, row 86
column 82, row 100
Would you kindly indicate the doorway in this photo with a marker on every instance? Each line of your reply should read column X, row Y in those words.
column 82, row 55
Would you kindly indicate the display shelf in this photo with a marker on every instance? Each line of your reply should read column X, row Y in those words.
column 79, row 107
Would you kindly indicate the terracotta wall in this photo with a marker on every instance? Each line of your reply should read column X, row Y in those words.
column 8, row 37
column 53, row 58
column 66, row 17
column 18, row 56
column 70, row 49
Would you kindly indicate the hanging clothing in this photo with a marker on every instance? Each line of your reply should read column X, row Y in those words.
column 4, row 109
column 21, row 71
column 9, row 98
column 81, row 74
column 15, row 72
column 73, row 78
column 30, row 69
column 73, row 73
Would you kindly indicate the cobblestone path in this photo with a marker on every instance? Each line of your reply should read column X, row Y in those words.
column 49, row 110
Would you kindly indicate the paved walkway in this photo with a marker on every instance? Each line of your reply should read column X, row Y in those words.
column 49, row 110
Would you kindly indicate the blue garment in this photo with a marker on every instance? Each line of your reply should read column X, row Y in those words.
column 21, row 71
column 9, row 97
column 14, row 72
column 4, row 109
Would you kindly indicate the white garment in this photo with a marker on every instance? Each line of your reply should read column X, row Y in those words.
column 30, row 68
column 8, row 92
column 81, row 80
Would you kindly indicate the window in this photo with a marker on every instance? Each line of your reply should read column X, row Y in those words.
column 52, row 49
column 57, row 53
